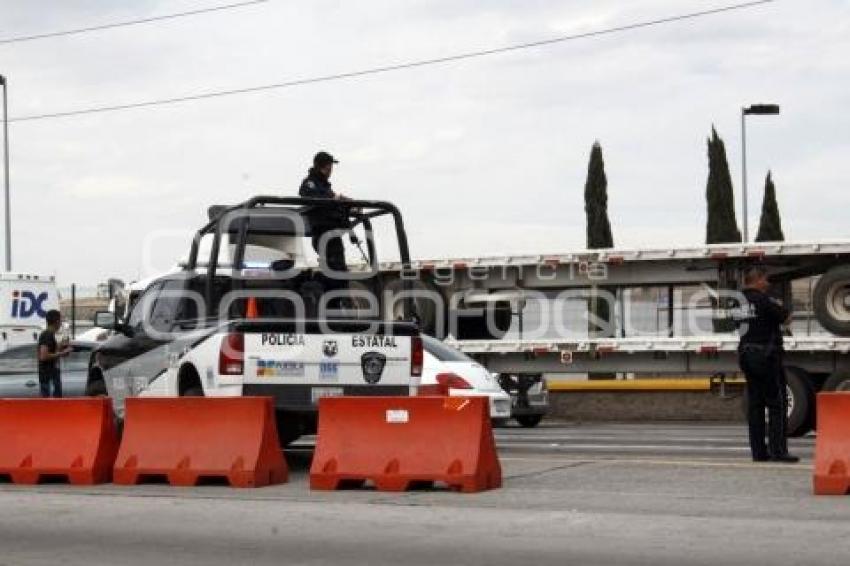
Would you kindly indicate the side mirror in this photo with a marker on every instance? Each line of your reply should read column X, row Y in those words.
column 109, row 321
column 106, row 319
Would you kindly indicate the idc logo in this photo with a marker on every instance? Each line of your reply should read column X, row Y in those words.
column 26, row 303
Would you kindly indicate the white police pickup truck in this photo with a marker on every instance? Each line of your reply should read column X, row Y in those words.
column 237, row 325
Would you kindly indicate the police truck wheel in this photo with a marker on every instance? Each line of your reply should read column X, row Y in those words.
column 189, row 382
column 838, row 381
column 95, row 387
column 289, row 428
column 194, row 391
column 529, row 421
column 831, row 300
column 801, row 401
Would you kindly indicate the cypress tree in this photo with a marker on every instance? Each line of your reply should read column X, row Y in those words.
column 770, row 225
column 596, row 202
column 598, row 235
column 721, row 226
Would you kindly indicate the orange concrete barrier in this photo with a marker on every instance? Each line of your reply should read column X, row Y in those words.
column 401, row 442
column 832, row 445
column 191, row 439
column 72, row 439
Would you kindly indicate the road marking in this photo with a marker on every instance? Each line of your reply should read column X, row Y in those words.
column 696, row 463
column 661, row 384
column 671, row 439
column 631, row 447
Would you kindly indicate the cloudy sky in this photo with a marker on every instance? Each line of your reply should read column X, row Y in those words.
column 484, row 156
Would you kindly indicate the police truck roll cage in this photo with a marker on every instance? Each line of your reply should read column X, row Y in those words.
column 252, row 216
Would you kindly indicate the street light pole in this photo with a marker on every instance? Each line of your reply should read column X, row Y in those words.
column 758, row 109
column 5, row 86
column 744, row 173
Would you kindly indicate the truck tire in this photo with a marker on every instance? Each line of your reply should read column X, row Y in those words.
column 831, row 300
column 289, row 428
column 431, row 311
column 801, row 402
column 529, row 421
column 189, row 383
column 95, row 386
column 838, row 381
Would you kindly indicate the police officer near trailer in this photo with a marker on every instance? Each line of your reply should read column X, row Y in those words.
column 49, row 352
column 760, row 358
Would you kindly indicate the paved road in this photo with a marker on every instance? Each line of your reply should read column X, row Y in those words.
column 689, row 440
column 595, row 494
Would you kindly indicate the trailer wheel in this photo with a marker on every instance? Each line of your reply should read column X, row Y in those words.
column 838, row 381
column 801, row 401
column 831, row 300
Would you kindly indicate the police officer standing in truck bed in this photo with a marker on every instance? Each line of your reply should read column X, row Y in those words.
column 317, row 184
column 760, row 357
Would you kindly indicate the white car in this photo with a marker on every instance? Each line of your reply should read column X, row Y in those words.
column 447, row 371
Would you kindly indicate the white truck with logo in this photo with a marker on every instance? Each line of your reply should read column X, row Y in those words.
column 24, row 302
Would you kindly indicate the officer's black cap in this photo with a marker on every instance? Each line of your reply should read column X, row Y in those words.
column 322, row 159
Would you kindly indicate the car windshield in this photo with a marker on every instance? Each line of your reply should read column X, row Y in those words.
column 443, row 352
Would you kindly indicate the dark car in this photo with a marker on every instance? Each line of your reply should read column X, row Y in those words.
column 19, row 370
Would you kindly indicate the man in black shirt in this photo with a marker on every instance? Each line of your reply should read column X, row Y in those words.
column 760, row 357
column 48, row 356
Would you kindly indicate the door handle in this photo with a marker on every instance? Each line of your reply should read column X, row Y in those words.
column 31, row 383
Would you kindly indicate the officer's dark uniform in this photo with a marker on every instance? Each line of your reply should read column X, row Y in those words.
column 316, row 185
column 760, row 357
column 322, row 221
